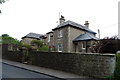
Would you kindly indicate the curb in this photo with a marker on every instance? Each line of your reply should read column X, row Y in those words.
column 34, row 71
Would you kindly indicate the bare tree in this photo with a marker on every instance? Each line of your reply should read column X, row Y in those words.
column 1, row 2
column 98, row 45
column 107, row 44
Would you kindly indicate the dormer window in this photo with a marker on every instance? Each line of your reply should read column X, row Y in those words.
column 60, row 34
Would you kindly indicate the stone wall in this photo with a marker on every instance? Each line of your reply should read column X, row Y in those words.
column 93, row 65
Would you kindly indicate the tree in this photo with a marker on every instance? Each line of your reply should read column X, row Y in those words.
column 37, row 43
column 96, row 47
column 2, row 1
column 43, row 48
column 5, row 35
column 106, row 45
column 6, row 39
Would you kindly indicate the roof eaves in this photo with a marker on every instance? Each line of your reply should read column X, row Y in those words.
column 30, row 37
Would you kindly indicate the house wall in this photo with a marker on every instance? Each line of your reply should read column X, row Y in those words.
column 69, row 34
column 50, row 42
column 27, row 40
column 79, row 46
column 63, row 40
column 44, row 41
column 13, row 47
column 51, row 39
column 73, row 33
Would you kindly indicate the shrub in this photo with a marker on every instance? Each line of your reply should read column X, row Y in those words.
column 43, row 48
column 27, row 47
column 9, row 40
column 117, row 69
column 37, row 42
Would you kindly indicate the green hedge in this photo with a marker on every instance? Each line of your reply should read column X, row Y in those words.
column 117, row 69
column 44, row 48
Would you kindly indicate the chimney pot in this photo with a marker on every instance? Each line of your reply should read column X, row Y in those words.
column 86, row 24
column 62, row 19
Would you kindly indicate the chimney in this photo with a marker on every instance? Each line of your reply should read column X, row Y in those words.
column 86, row 24
column 62, row 20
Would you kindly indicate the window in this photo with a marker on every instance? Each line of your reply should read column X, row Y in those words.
column 83, row 45
column 60, row 34
column 59, row 47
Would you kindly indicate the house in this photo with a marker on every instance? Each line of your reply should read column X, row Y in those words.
column 73, row 37
column 49, row 38
column 30, row 37
column 68, row 36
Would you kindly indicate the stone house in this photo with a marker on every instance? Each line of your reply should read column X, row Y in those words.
column 30, row 37
column 68, row 36
column 73, row 37
column 49, row 38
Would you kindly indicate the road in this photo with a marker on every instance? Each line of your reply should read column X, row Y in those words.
column 9, row 71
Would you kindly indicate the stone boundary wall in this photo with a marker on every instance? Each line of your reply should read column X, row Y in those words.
column 90, row 64
column 93, row 65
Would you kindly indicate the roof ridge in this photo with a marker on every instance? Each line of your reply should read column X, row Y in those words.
column 35, row 33
column 76, row 25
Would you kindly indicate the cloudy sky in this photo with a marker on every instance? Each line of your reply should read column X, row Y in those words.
column 19, row 17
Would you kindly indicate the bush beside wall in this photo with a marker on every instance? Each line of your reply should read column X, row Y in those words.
column 117, row 68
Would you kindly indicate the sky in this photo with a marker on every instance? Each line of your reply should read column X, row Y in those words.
column 20, row 17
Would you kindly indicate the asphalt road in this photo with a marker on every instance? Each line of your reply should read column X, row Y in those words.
column 9, row 71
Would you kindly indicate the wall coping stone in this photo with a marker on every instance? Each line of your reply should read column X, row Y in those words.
column 82, row 53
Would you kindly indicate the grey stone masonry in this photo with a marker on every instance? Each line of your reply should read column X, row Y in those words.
column 90, row 64
column 96, row 65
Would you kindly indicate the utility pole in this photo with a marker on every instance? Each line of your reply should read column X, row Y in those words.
column 119, row 20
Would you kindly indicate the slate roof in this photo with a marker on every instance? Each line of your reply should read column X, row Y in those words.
column 33, row 35
column 49, row 32
column 75, row 25
column 85, row 37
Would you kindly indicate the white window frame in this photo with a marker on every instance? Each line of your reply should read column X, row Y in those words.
column 60, row 34
column 83, row 45
column 60, row 47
